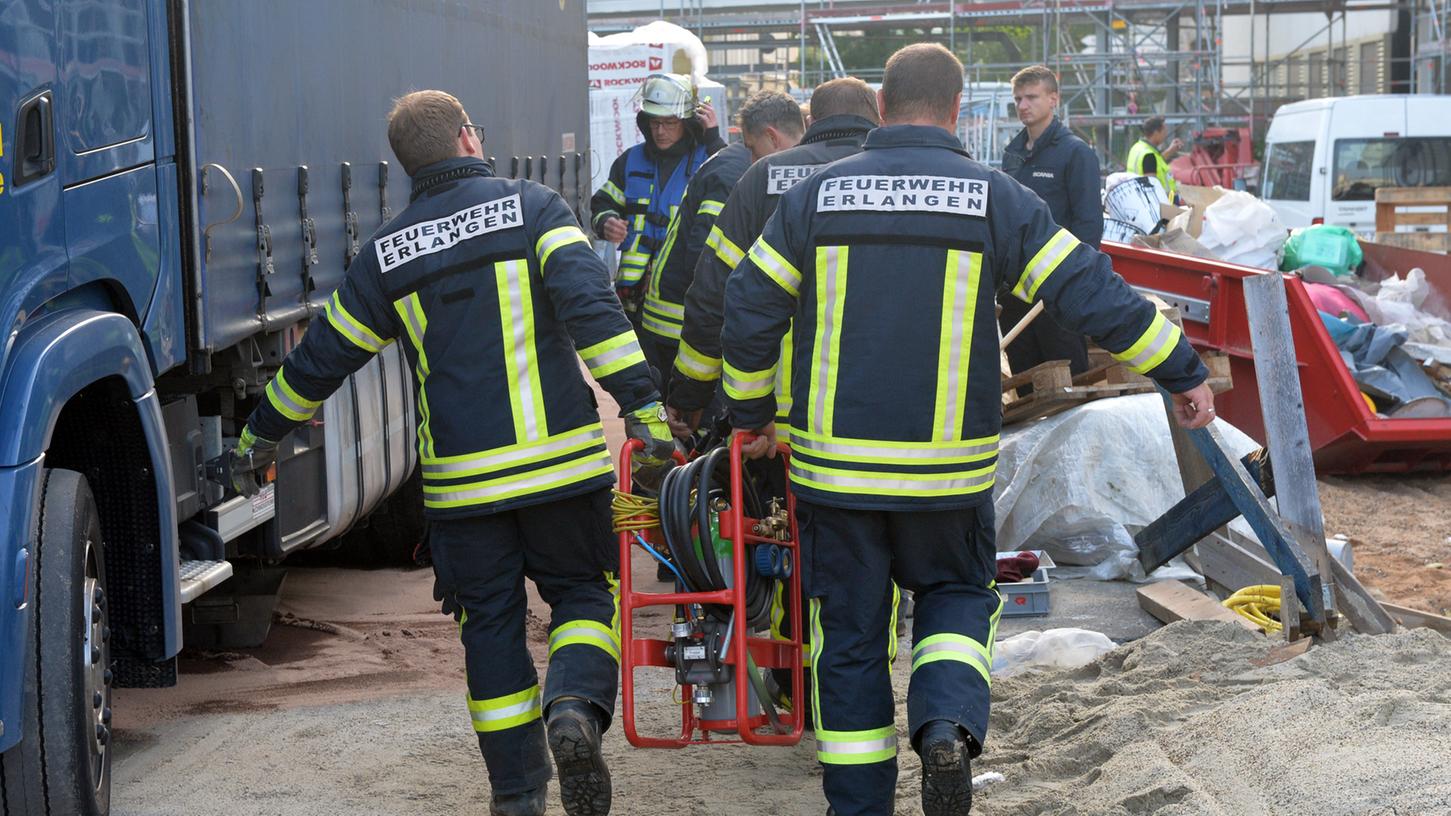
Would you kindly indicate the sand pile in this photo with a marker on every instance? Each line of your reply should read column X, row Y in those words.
column 1183, row 722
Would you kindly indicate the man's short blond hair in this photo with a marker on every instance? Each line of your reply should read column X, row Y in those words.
column 847, row 96
column 423, row 128
column 1036, row 75
column 922, row 81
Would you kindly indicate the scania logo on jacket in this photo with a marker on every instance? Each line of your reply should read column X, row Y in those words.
column 784, row 177
column 428, row 237
column 944, row 194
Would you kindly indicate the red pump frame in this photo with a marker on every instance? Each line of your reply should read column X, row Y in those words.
column 766, row 652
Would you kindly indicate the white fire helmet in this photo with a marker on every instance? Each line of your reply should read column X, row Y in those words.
column 668, row 95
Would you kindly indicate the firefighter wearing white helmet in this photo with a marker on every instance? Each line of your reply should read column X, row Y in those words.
column 646, row 183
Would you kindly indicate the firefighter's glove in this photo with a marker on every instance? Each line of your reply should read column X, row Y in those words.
column 248, row 461
column 649, row 425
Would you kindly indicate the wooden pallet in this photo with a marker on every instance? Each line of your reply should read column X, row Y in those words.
column 1396, row 225
column 1056, row 389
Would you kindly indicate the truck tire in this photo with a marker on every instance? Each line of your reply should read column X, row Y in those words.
column 62, row 765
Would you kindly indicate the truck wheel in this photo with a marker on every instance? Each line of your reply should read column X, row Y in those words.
column 63, row 763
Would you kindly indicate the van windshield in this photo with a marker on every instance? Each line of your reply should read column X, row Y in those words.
column 1363, row 165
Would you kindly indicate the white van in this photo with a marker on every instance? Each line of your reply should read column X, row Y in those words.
column 1324, row 158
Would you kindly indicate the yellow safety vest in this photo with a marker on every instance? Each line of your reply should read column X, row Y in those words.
column 1142, row 150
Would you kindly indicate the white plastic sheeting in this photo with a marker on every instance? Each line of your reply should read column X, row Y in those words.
column 1080, row 484
column 1052, row 649
column 1242, row 229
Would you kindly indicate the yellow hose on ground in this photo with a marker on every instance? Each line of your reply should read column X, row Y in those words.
column 1257, row 604
column 633, row 513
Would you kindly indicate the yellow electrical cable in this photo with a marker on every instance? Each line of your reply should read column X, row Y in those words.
column 633, row 513
column 1260, row 604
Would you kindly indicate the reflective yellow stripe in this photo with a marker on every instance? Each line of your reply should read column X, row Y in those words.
column 613, row 191
column 592, row 464
column 585, row 633
column 891, row 452
column 818, row 644
column 521, row 359
column 1153, row 347
column 784, row 400
column 509, row 711
column 350, row 327
column 744, row 385
column 831, row 274
column 1049, row 256
column 892, row 624
column 959, row 648
column 416, row 324
column 554, row 239
column 856, row 747
column 287, row 401
column 615, row 354
column 890, row 483
column 524, row 453
column 695, row 365
column 659, row 326
column 776, row 267
column 613, row 582
column 725, row 249
column 249, row 440
column 665, row 308
column 954, row 343
column 709, row 207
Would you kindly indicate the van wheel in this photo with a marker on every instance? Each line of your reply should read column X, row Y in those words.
column 63, row 762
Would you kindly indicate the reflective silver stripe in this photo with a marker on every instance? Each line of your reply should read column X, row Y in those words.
column 828, row 289
column 695, row 365
column 575, row 633
column 776, row 267
column 523, row 323
column 604, row 358
column 856, row 747
column 666, row 308
column 410, row 313
column 760, row 385
column 1163, row 337
column 959, row 651
column 501, row 460
column 866, row 480
column 279, row 395
column 926, row 452
column 954, row 391
column 514, row 485
column 1045, row 262
column 496, row 714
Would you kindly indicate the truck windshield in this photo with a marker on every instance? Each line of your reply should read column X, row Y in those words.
column 1362, row 165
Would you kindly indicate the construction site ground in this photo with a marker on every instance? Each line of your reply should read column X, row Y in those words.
column 355, row 705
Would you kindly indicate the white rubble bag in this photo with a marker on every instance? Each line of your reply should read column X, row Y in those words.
column 1053, row 649
column 1239, row 228
column 1080, row 484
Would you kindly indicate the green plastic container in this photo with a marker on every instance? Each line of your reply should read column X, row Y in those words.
column 1332, row 247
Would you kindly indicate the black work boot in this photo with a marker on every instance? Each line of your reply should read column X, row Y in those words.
column 528, row 803
column 946, row 772
column 574, row 738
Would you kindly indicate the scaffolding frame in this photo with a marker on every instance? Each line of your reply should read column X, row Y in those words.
column 1168, row 53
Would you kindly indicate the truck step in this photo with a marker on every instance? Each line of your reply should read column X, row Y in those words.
column 199, row 576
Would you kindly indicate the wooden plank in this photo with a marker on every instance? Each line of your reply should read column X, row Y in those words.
column 1412, row 195
column 1283, row 407
column 1171, row 601
column 1420, row 241
column 1206, row 509
column 1433, row 218
column 1412, row 618
column 1361, row 608
column 1049, row 370
column 1252, row 504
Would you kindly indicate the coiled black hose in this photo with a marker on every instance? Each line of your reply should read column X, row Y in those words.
column 706, row 476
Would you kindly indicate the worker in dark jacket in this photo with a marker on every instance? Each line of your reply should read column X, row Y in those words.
column 1063, row 170
column 770, row 121
column 844, row 111
column 885, row 265
column 490, row 286
column 646, row 183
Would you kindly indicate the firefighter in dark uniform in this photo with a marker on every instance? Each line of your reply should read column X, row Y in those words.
column 634, row 206
column 491, row 286
column 770, row 121
column 843, row 112
column 1063, row 170
column 888, row 262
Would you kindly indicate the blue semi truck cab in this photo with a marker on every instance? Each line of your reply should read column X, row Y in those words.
column 183, row 183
